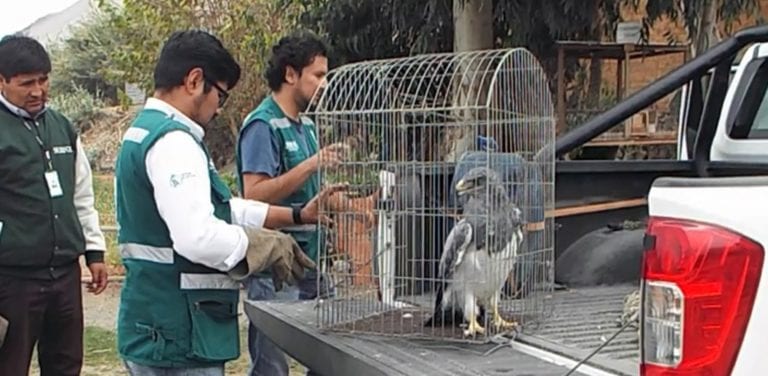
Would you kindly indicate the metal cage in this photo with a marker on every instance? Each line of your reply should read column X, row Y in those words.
column 414, row 126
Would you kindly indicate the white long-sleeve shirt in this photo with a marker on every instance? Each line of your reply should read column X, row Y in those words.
column 85, row 201
column 83, row 194
column 178, row 170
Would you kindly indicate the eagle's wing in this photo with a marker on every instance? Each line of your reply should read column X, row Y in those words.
column 454, row 249
column 456, row 246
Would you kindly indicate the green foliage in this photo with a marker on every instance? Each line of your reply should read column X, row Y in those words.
column 230, row 178
column 82, row 61
column 360, row 30
column 361, row 181
column 77, row 104
column 103, row 191
column 123, row 100
column 104, row 201
column 100, row 346
column 689, row 12
column 248, row 28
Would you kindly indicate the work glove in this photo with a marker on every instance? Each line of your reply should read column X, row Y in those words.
column 274, row 250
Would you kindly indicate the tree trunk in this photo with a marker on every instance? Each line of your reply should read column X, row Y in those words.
column 703, row 33
column 595, row 63
column 473, row 30
column 473, row 25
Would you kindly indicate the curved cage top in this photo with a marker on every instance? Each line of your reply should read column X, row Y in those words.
column 509, row 80
column 412, row 128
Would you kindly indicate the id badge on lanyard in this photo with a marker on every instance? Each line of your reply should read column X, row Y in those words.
column 51, row 176
column 54, row 186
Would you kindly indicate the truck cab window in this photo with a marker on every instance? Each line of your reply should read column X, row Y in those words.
column 759, row 128
column 750, row 120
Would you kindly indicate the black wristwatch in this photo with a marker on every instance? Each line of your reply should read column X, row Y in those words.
column 297, row 213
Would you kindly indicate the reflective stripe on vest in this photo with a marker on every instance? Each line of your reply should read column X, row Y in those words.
column 208, row 281
column 160, row 255
column 280, row 123
column 300, row 228
column 188, row 281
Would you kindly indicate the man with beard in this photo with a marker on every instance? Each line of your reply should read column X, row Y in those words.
column 278, row 162
column 181, row 234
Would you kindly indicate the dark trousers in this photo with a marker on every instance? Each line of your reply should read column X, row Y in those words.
column 48, row 313
column 266, row 358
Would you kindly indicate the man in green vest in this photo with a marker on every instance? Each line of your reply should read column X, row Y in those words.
column 47, row 220
column 278, row 161
column 180, row 231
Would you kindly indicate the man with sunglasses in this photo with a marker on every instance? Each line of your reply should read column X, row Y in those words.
column 180, row 231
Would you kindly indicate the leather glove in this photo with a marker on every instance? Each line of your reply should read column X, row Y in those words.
column 270, row 249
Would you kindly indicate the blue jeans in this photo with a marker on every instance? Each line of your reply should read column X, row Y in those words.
column 266, row 358
column 140, row 370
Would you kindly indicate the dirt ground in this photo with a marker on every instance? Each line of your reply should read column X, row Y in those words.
column 100, row 348
column 101, row 310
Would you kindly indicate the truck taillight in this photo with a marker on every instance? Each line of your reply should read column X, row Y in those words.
column 699, row 286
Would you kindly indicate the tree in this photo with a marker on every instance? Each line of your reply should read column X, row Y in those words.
column 700, row 18
column 248, row 28
column 81, row 60
column 363, row 30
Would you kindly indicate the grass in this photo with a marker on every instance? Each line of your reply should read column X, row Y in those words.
column 101, row 357
column 99, row 352
column 103, row 191
column 100, row 346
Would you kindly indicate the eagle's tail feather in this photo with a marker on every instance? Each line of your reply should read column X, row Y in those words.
column 445, row 316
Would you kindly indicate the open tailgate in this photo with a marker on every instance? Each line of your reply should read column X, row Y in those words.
column 292, row 326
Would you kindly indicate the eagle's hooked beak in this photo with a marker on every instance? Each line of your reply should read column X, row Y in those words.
column 464, row 185
column 461, row 185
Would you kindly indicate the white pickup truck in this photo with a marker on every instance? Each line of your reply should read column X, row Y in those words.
column 702, row 291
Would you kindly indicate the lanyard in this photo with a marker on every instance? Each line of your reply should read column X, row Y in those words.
column 45, row 150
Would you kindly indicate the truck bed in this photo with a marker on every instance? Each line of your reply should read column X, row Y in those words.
column 581, row 320
column 579, row 323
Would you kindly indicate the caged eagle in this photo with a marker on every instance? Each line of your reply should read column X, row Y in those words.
column 479, row 254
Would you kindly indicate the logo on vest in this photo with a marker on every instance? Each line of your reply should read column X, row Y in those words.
column 178, row 179
column 62, row 150
column 291, row 146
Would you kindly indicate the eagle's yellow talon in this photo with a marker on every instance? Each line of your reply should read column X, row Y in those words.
column 473, row 329
column 498, row 321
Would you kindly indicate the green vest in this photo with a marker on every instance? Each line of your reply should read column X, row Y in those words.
column 37, row 232
column 173, row 313
column 292, row 154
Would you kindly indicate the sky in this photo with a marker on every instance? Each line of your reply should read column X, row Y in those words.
column 23, row 12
